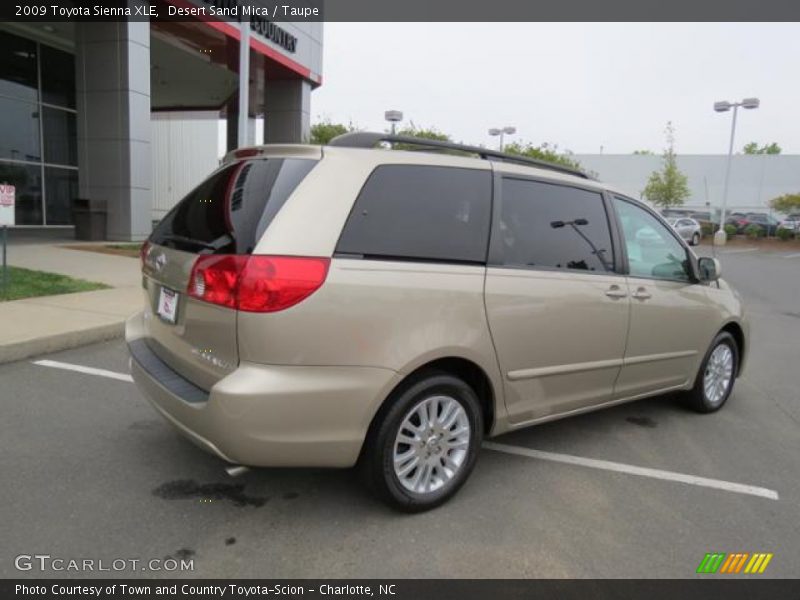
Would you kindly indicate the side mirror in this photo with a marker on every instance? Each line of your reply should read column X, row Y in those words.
column 710, row 268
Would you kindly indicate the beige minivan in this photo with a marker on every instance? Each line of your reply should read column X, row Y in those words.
column 349, row 304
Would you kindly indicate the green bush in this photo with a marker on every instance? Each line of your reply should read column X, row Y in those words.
column 754, row 231
column 730, row 230
column 707, row 228
column 784, row 234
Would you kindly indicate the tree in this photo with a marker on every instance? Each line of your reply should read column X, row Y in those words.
column 668, row 187
column 754, row 148
column 546, row 152
column 644, row 153
column 324, row 131
column 788, row 203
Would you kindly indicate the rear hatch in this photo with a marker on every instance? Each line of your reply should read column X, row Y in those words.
column 219, row 222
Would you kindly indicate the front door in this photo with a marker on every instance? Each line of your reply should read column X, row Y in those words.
column 671, row 318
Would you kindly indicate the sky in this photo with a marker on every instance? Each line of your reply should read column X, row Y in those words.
column 582, row 86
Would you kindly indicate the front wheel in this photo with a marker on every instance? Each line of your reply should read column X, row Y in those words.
column 717, row 374
column 421, row 450
column 696, row 239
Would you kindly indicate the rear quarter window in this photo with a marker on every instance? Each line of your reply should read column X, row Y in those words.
column 415, row 212
column 230, row 211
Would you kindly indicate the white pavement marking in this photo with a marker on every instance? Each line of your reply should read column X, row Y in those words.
column 795, row 255
column 81, row 369
column 741, row 251
column 606, row 465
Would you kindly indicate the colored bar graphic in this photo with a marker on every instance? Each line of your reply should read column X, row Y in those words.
column 759, row 562
column 728, row 565
column 734, row 562
column 741, row 562
column 711, row 562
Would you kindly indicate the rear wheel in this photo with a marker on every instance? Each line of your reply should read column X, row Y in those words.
column 422, row 449
column 716, row 377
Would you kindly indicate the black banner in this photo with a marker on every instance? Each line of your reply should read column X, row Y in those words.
column 420, row 589
column 401, row 11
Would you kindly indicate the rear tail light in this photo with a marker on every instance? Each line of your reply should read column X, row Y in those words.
column 143, row 251
column 256, row 283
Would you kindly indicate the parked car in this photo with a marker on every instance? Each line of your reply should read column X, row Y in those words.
column 689, row 229
column 334, row 306
column 768, row 223
column 791, row 223
column 738, row 220
column 668, row 213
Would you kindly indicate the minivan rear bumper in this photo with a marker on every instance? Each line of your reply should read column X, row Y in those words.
column 266, row 415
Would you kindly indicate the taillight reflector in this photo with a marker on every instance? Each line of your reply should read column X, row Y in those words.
column 143, row 250
column 256, row 283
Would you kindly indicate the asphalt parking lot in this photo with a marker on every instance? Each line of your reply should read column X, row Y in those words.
column 90, row 470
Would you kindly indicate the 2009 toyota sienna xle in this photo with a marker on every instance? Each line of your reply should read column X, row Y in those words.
column 352, row 305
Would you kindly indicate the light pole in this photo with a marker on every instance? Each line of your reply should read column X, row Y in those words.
column 720, row 237
column 505, row 130
column 394, row 117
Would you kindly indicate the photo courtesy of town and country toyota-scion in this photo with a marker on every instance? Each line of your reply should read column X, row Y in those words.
column 298, row 300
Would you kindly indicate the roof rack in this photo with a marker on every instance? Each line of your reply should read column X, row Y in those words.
column 367, row 139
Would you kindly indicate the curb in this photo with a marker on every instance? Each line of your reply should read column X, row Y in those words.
column 62, row 341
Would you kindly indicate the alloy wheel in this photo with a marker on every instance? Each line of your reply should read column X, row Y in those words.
column 432, row 444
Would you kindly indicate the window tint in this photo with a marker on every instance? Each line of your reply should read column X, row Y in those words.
column 653, row 251
column 229, row 211
column 421, row 212
column 553, row 226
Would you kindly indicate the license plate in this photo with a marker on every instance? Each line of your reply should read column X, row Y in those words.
column 168, row 304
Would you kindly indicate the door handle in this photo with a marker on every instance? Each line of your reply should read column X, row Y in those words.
column 616, row 292
column 641, row 294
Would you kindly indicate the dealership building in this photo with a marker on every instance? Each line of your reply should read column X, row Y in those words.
column 110, row 122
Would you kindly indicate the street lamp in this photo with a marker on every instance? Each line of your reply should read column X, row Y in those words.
column 500, row 132
column 720, row 237
column 394, row 117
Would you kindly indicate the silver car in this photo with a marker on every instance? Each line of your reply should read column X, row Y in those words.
column 790, row 223
column 688, row 229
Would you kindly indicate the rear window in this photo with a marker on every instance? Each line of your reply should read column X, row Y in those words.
column 413, row 212
column 230, row 211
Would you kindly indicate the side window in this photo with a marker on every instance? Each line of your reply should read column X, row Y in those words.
column 421, row 212
column 553, row 226
column 653, row 251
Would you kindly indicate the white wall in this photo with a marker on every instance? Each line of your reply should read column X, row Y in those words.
column 755, row 179
column 185, row 150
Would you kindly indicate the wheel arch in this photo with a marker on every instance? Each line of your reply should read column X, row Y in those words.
column 737, row 331
column 463, row 368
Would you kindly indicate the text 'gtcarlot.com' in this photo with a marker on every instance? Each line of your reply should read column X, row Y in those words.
column 46, row 562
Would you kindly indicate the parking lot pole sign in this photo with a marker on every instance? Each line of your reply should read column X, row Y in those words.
column 8, row 195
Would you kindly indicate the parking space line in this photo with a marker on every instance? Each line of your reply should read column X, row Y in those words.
column 740, row 251
column 81, row 369
column 795, row 255
column 606, row 465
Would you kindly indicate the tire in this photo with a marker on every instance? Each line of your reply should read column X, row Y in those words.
column 696, row 239
column 710, row 398
column 456, row 406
